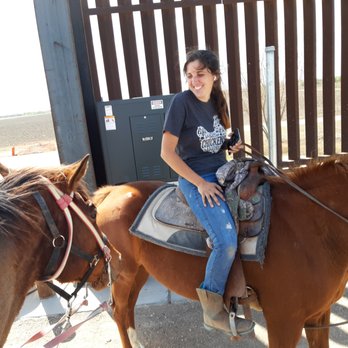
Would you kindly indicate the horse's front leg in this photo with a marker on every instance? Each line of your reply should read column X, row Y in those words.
column 284, row 331
column 120, row 292
column 318, row 338
column 125, row 291
column 139, row 282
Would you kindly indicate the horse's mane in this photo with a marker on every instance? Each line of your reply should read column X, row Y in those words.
column 314, row 172
column 17, row 209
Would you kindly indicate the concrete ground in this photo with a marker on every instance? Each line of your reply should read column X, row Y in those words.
column 164, row 320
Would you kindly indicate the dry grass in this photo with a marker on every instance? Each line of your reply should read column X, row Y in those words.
column 302, row 130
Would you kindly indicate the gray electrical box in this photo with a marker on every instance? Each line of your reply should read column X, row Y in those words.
column 131, row 135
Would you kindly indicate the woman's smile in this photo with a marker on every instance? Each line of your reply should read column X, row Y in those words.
column 200, row 80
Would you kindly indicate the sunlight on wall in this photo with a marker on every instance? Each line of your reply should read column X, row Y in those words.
column 222, row 45
column 23, row 84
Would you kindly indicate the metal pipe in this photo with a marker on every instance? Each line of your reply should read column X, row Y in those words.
column 270, row 103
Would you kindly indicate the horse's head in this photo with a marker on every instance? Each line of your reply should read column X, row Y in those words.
column 58, row 202
column 88, row 245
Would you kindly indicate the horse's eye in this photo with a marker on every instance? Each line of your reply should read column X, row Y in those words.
column 93, row 213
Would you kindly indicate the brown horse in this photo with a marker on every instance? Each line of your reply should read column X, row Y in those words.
column 305, row 268
column 26, row 243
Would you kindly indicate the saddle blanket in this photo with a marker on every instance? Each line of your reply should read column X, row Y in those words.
column 167, row 221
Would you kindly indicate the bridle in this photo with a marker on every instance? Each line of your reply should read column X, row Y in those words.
column 59, row 242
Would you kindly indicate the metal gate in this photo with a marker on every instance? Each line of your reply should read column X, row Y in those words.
column 122, row 41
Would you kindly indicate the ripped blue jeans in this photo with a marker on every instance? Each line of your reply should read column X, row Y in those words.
column 219, row 224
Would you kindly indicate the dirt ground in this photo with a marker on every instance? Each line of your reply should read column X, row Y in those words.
column 27, row 134
column 159, row 326
column 176, row 325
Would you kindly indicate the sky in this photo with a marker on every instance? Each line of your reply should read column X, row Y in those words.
column 23, row 85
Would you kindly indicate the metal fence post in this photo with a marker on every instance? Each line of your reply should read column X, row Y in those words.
column 63, row 82
column 271, row 107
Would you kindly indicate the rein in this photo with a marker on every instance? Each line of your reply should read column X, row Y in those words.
column 325, row 326
column 282, row 175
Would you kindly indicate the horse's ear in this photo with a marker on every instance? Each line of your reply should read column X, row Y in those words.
column 3, row 170
column 76, row 172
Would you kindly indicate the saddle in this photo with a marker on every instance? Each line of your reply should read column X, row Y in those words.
column 167, row 220
column 249, row 198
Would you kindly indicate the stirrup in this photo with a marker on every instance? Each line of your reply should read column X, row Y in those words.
column 232, row 321
column 233, row 327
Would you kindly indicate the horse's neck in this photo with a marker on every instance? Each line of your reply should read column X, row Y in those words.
column 336, row 242
column 325, row 233
column 18, row 272
column 334, row 228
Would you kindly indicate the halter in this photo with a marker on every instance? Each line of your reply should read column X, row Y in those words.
column 65, row 202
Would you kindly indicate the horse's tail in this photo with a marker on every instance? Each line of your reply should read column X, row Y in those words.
column 99, row 195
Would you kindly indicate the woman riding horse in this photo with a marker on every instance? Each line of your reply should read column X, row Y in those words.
column 192, row 145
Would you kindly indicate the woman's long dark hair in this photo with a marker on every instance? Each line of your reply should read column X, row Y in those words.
column 211, row 61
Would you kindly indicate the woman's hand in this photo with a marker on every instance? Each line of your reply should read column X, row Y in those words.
column 210, row 192
column 235, row 148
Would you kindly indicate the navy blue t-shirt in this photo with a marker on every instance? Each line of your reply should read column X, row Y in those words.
column 199, row 130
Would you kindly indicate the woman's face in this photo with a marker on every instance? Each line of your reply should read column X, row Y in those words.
column 200, row 80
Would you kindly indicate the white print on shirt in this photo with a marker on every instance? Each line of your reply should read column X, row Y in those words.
column 212, row 141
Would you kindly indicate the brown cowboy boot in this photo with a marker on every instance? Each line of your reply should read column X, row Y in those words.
column 216, row 317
